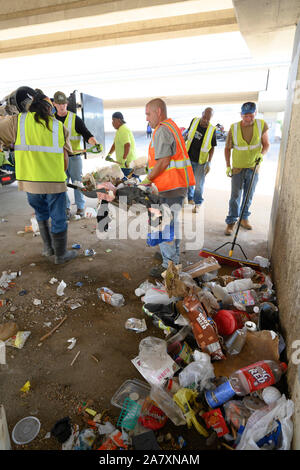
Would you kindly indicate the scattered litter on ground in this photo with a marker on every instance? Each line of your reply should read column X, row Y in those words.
column 61, row 287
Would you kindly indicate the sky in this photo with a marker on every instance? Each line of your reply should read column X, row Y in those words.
column 205, row 64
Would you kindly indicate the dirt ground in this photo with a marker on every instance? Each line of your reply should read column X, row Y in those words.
column 58, row 388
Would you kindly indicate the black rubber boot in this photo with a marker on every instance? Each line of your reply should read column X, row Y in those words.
column 46, row 237
column 62, row 255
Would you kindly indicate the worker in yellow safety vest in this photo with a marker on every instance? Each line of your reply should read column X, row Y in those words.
column 77, row 130
column 41, row 146
column 201, row 142
column 249, row 142
column 170, row 170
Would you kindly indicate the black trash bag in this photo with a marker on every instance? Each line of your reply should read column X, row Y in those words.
column 166, row 313
column 136, row 195
column 62, row 430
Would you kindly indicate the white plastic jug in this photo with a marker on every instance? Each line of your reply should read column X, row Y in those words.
column 4, row 434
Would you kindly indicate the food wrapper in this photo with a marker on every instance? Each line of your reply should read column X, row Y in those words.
column 214, row 419
column 204, row 329
column 18, row 340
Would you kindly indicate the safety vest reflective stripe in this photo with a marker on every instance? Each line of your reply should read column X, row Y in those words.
column 207, row 139
column 38, row 148
column 168, row 124
column 192, row 132
column 246, row 147
column 177, row 164
column 70, row 118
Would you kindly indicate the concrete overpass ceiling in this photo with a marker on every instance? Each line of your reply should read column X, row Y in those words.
column 268, row 27
column 52, row 26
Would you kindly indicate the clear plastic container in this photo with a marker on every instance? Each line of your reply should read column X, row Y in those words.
column 153, row 352
column 166, row 403
column 134, row 389
column 26, row 430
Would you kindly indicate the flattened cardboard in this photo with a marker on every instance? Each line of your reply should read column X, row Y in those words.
column 206, row 265
column 259, row 346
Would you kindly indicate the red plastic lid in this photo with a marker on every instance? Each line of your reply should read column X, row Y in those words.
column 283, row 366
column 226, row 322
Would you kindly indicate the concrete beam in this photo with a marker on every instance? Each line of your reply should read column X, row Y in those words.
column 135, row 31
column 268, row 27
column 184, row 100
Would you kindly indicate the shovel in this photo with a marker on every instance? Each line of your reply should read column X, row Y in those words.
column 85, row 192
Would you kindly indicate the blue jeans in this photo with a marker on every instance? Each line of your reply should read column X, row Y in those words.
column 170, row 251
column 50, row 205
column 196, row 192
column 74, row 172
column 240, row 184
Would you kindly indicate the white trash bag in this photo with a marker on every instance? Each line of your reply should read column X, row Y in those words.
column 263, row 421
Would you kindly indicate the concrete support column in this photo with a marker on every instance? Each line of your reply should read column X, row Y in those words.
column 284, row 240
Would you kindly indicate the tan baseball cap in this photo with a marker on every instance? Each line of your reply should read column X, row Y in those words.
column 60, row 98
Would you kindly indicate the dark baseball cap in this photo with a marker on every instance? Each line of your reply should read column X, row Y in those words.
column 60, row 98
column 248, row 108
column 118, row 115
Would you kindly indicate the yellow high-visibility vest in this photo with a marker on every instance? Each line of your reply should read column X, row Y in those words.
column 206, row 143
column 39, row 152
column 244, row 154
column 75, row 138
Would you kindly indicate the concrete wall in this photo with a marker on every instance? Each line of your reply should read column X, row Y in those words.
column 284, row 239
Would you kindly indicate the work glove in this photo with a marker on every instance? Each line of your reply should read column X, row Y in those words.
column 229, row 171
column 259, row 158
column 206, row 168
column 145, row 181
column 108, row 158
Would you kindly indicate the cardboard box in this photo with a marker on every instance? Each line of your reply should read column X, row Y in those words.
column 206, row 265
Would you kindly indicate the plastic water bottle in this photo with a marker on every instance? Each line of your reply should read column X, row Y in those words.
column 235, row 343
column 254, row 377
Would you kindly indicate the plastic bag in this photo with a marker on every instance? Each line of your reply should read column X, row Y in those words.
column 34, row 224
column 264, row 421
column 241, row 285
column 243, row 273
column 155, row 295
column 263, row 262
column 142, row 289
column 60, row 288
column 18, row 340
column 198, row 374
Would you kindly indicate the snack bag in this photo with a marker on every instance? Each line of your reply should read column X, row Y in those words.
column 204, row 329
